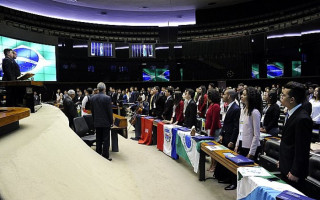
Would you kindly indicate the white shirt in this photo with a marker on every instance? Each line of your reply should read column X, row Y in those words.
column 290, row 112
column 315, row 115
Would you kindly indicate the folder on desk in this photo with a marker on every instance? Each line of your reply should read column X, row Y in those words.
column 238, row 159
column 285, row 195
column 199, row 138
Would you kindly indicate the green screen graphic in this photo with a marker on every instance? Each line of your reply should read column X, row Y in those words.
column 296, row 68
column 255, row 71
column 39, row 59
column 156, row 74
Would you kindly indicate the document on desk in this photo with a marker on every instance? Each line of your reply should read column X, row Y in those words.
column 253, row 171
column 216, row 147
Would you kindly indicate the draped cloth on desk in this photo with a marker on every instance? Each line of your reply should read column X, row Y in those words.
column 187, row 148
column 169, row 140
column 160, row 137
column 146, row 130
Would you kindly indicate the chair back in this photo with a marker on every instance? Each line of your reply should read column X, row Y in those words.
column 80, row 126
column 272, row 149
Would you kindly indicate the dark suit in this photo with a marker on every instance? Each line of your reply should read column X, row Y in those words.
column 229, row 133
column 190, row 118
column 160, row 101
column 9, row 69
column 230, row 129
column 295, row 146
column 101, row 109
column 16, row 69
column 114, row 98
column 168, row 109
column 271, row 117
column 69, row 110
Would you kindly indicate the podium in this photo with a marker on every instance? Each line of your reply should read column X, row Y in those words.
column 28, row 86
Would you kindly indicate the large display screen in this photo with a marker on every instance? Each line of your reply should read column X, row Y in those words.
column 296, row 68
column 101, row 49
column 141, row 51
column 155, row 74
column 39, row 59
column 255, row 71
column 275, row 69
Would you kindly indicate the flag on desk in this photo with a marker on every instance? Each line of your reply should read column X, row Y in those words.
column 169, row 141
column 187, row 148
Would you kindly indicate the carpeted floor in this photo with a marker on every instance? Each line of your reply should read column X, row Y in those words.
column 44, row 159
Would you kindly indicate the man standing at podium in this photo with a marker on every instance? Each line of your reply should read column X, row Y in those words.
column 17, row 72
column 10, row 74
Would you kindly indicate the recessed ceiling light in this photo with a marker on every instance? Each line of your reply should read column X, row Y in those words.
column 103, row 12
column 212, row 3
column 144, row 7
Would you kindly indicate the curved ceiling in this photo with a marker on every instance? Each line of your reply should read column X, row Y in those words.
column 120, row 12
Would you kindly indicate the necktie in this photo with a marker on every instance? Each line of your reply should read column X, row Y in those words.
column 286, row 119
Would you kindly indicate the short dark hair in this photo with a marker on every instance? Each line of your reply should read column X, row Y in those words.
column 170, row 90
column 6, row 51
column 297, row 90
column 273, row 96
column 190, row 92
column 157, row 88
column 89, row 90
column 233, row 94
column 212, row 85
column 214, row 96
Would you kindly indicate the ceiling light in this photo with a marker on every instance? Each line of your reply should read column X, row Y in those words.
column 73, row 1
column 103, row 12
column 144, row 7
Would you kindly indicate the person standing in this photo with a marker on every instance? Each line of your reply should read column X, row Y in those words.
column 213, row 124
column 229, row 135
column 296, row 136
column 101, row 108
column 190, row 118
column 17, row 67
column 168, row 106
column 69, row 108
column 8, row 66
column 271, row 115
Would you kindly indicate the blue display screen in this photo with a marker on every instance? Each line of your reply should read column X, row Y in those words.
column 275, row 69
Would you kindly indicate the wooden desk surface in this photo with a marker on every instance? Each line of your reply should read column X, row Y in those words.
column 9, row 115
column 21, row 83
column 219, row 157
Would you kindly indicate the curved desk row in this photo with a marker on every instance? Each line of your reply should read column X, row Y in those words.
column 10, row 116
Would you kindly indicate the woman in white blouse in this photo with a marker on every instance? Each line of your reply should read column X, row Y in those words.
column 249, row 124
column 315, row 102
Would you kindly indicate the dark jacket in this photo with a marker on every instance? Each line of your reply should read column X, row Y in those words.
column 168, row 109
column 295, row 144
column 230, row 128
column 271, row 117
column 69, row 108
column 190, row 118
column 160, row 101
column 101, row 109
column 9, row 69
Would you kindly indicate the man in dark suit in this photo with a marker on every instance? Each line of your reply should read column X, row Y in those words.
column 190, row 118
column 102, row 120
column 159, row 102
column 296, row 137
column 17, row 67
column 10, row 73
column 69, row 108
column 228, row 137
column 168, row 106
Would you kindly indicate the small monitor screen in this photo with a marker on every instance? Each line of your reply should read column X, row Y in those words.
column 255, row 71
column 156, row 74
column 275, row 69
column 35, row 58
column 142, row 51
column 101, row 49
column 296, row 68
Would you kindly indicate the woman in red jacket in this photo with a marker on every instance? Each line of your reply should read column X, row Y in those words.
column 213, row 124
column 178, row 105
column 202, row 101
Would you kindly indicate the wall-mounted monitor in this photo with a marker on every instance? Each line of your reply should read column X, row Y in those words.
column 156, row 74
column 101, row 49
column 275, row 69
column 296, row 68
column 255, row 71
column 141, row 51
column 39, row 59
